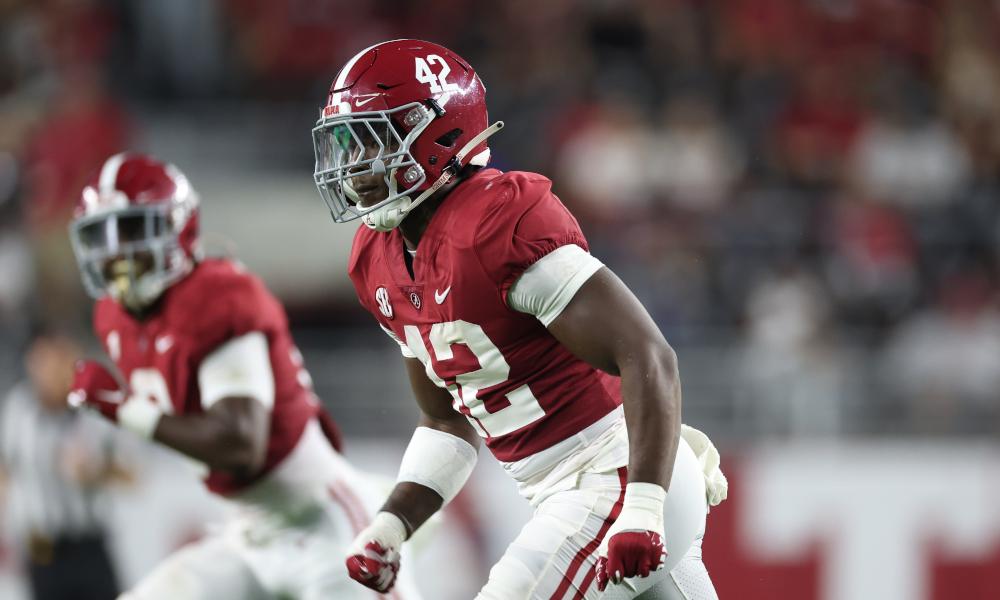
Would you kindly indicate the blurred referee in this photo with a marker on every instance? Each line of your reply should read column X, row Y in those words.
column 53, row 464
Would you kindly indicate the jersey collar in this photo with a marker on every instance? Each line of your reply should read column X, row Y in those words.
column 436, row 232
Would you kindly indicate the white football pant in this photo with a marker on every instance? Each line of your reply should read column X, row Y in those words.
column 553, row 557
column 288, row 541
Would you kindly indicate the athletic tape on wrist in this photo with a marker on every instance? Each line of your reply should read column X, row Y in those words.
column 139, row 416
column 438, row 460
column 386, row 529
column 644, row 494
column 642, row 510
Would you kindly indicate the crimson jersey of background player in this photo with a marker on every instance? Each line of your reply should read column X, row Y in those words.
column 160, row 356
column 208, row 367
column 522, row 390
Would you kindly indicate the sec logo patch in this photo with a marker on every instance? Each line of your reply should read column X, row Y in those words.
column 382, row 297
column 415, row 299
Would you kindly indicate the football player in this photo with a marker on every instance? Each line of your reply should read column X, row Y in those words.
column 209, row 369
column 512, row 333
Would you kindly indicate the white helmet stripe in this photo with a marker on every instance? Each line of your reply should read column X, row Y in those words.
column 109, row 174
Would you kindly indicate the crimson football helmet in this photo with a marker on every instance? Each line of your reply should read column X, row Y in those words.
column 135, row 229
column 407, row 112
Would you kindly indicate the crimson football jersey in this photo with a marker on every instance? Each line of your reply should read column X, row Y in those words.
column 521, row 389
column 159, row 357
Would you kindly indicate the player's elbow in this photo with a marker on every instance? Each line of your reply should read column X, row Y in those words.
column 671, row 373
column 662, row 363
column 654, row 361
column 667, row 359
column 242, row 436
column 241, row 454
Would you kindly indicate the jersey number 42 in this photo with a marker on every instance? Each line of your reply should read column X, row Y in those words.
column 494, row 370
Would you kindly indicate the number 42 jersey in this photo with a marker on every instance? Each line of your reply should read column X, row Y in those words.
column 521, row 389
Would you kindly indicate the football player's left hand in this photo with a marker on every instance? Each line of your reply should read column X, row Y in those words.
column 95, row 387
column 373, row 558
column 633, row 546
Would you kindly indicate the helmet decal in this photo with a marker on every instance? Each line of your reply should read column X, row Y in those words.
column 438, row 83
column 109, row 174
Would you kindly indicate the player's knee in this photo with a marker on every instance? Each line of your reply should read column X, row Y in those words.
column 509, row 578
column 181, row 586
column 177, row 578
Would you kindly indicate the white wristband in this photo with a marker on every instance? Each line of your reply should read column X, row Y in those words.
column 140, row 416
column 645, row 501
column 642, row 510
column 386, row 529
column 438, row 460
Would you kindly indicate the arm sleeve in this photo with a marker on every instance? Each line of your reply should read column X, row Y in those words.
column 240, row 367
column 407, row 353
column 547, row 286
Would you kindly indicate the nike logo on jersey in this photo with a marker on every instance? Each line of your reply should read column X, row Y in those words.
column 163, row 343
column 361, row 102
column 439, row 298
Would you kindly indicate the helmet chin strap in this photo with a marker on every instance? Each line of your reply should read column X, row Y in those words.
column 390, row 216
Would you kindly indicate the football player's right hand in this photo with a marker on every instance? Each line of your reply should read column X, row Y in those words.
column 633, row 546
column 373, row 557
column 95, row 387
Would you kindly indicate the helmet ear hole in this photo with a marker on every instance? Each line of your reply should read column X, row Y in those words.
column 448, row 140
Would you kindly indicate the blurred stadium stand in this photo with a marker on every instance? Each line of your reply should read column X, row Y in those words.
column 804, row 194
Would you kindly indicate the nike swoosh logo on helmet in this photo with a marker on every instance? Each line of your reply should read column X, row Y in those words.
column 360, row 102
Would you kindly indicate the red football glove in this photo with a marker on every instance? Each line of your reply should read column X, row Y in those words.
column 373, row 558
column 630, row 554
column 633, row 546
column 95, row 387
column 374, row 567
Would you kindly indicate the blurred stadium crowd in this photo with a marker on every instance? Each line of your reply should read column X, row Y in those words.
column 804, row 194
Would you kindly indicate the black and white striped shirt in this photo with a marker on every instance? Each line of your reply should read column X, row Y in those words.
column 35, row 447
